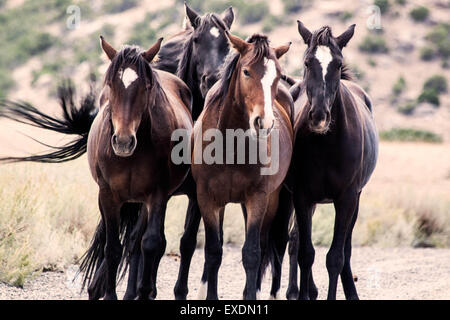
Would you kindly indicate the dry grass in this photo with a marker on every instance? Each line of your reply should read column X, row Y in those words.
column 48, row 213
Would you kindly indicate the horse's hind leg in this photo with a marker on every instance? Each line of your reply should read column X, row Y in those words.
column 345, row 208
column 188, row 243
column 346, row 275
column 292, row 290
column 152, row 241
column 135, row 268
column 113, row 249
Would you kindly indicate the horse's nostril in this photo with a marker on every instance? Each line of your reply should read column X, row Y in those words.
column 114, row 139
column 132, row 142
column 258, row 123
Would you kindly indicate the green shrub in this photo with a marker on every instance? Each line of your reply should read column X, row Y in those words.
column 400, row 2
column 439, row 37
column 6, row 82
column 437, row 83
column 408, row 108
column 142, row 34
column 420, row 13
column 345, row 15
column 292, row 6
column 406, row 134
column 399, row 86
column 383, row 5
column 429, row 95
column 372, row 62
column 116, row 6
column 252, row 12
column 373, row 44
column 427, row 53
column 270, row 22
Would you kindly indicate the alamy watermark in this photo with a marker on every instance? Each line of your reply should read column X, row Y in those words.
column 235, row 147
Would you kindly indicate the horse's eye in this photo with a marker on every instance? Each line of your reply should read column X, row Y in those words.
column 306, row 64
column 195, row 39
column 246, row 73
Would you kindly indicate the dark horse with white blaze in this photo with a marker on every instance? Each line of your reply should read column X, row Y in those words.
column 129, row 152
column 128, row 141
column 335, row 153
column 245, row 98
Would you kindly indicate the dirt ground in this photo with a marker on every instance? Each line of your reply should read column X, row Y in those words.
column 394, row 273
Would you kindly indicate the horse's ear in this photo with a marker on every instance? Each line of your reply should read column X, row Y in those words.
column 304, row 32
column 345, row 37
column 107, row 48
column 154, row 49
column 192, row 15
column 281, row 50
column 237, row 43
column 228, row 17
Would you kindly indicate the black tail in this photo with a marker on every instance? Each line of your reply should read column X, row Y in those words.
column 75, row 121
column 290, row 81
column 277, row 239
column 93, row 258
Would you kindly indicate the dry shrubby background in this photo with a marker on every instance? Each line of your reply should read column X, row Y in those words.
column 48, row 212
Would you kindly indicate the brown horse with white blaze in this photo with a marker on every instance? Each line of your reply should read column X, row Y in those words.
column 129, row 152
column 246, row 98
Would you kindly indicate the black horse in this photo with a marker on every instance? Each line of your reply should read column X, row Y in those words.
column 335, row 153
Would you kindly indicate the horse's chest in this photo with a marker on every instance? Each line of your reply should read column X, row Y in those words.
column 231, row 185
column 131, row 179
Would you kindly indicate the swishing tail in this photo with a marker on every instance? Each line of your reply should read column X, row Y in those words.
column 75, row 121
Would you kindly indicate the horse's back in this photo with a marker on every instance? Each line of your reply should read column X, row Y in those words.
column 179, row 96
column 363, row 108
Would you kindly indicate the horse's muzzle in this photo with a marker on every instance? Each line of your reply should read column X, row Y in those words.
column 123, row 146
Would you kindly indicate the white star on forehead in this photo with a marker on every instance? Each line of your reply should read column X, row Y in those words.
column 128, row 76
column 323, row 54
column 214, row 31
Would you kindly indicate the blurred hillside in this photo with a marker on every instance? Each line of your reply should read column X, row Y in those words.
column 40, row 45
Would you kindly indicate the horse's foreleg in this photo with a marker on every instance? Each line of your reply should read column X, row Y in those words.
column 213, row 244
column 346, row 275
column 110, row 208
column 304, row 211
column 188, row 243
column 345, row 208
column 251, row 251
column 152, row 244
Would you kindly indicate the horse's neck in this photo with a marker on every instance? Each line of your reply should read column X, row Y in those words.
column 197, row 100
column 232, row 111
column 344, row 113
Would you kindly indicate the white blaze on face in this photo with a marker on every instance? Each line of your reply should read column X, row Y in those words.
column 267, row 82
column 323, row 54
column 128, row 76
column 215, row 32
